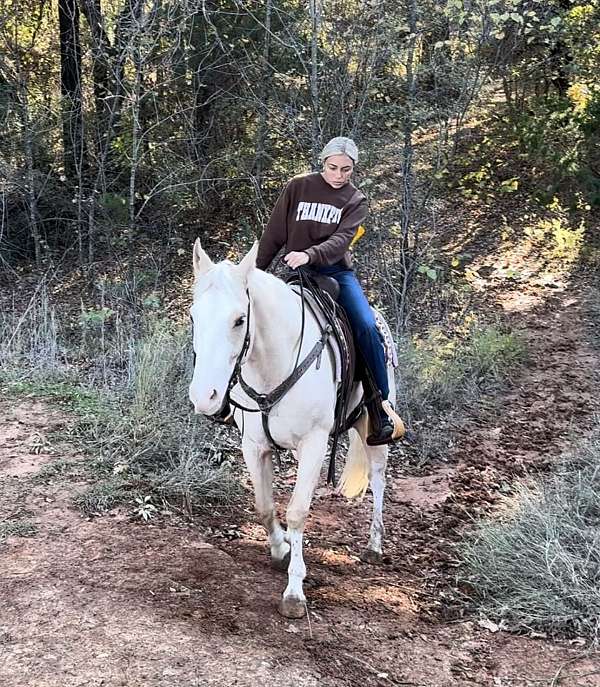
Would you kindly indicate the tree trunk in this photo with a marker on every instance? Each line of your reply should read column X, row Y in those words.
column 135, row 156
column 315, row 17
column 408, row 263
column 102, row 57
column 263, row 91
column 30, row 190
column 70, row 86
column 204, row 84
column 561, row 58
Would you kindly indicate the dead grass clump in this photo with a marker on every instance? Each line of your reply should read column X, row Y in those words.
column 104, row 496
column 539, row 567
column 60, row 469
column 30, row 346
column 195, row 484
column 16, row 528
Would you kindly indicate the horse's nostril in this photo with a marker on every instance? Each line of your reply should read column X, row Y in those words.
column 213, row 395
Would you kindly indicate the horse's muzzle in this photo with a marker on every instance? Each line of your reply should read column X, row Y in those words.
column 207, row 403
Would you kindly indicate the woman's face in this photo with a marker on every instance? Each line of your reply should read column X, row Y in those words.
column 337, row 170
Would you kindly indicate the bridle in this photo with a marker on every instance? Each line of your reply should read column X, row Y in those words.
column 266, row 402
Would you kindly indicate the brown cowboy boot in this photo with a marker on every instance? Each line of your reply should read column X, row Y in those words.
column 385, row 424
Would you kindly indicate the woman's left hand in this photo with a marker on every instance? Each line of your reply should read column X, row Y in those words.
column 296, row 259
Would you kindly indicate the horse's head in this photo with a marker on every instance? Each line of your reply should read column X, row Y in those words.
column 220, row 324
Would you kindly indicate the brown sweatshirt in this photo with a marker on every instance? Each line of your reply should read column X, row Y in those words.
column 312, row 216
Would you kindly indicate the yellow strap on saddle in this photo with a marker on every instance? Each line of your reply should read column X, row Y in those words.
column 360, row 232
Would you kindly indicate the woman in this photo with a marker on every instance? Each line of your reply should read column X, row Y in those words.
column 316, row 218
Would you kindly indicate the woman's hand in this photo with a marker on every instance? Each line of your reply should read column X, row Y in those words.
column 296, row 259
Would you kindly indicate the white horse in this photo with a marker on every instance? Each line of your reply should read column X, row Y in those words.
column 234, row 304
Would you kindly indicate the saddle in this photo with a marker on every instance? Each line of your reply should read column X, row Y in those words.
column 327, row 284
column 320, row 294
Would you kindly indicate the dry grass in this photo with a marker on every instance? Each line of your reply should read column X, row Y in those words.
column 30, row 346
column 131, row 403
column 16, row 528
column 539, row 566
column 151, row 436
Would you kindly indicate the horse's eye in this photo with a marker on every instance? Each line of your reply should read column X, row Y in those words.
column 239, row 322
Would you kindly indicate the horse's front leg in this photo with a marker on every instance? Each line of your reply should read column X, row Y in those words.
column 259, row 462
column 311, row 452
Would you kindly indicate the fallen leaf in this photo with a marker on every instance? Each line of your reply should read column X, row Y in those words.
column 487, row 624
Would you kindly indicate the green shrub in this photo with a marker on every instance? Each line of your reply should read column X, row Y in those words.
column 438, row 371
column 490, row 353
column 439, row 374
column 560, row 135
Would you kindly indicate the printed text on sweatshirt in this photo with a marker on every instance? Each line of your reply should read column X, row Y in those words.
column 312, row 216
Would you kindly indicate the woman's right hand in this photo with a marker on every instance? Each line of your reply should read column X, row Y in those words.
column 296, row 259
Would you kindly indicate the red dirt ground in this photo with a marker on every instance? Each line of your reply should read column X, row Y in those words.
column 113, row 602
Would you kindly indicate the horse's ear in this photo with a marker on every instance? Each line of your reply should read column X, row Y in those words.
column 248, row 262
column 202, row 263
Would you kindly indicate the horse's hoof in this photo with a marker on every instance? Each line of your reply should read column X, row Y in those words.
column 281, row 564
column 291, row 607
column 372, row 557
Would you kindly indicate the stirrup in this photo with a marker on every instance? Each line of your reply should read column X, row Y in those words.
column 399, row 428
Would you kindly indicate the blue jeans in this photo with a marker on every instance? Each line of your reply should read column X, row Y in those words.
column 362, row 321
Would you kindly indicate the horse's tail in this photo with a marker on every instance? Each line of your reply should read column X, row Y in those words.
column 355, row 475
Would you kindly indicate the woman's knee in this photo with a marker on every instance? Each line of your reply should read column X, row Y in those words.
column 359, row 312
column 366, row 330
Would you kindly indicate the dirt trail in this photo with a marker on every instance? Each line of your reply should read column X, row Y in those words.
column 116, row 603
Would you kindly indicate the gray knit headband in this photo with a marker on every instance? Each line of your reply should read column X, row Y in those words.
column 340, row 145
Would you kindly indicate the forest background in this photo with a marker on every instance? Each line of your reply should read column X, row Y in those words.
column 129, row 128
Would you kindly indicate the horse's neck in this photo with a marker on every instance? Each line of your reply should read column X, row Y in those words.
column 277, row 320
